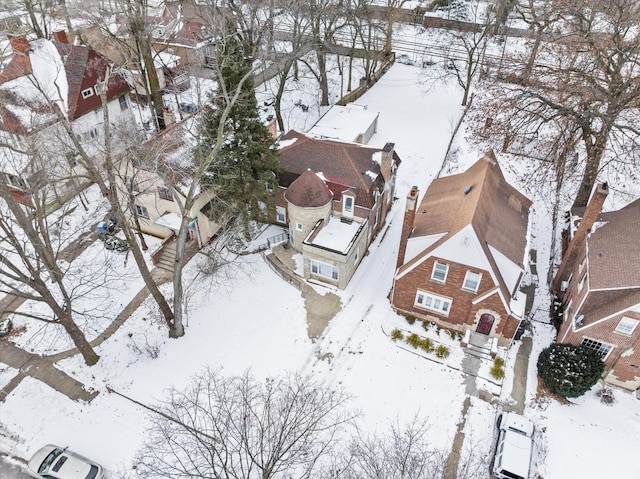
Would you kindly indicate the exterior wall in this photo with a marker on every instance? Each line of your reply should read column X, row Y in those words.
column 346, row 264
column 307, row 217
column 463, row 314
column 623, row 362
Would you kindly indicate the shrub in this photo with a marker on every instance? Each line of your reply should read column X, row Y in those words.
column 396, row 334
column 606, row 395
column 410, row 319
column 426, row 325
column 426, row 345
column 438, row 329
column 414, row 340
column 569, row 370
column 442, row 352
column 497, row 370
column 498, row 361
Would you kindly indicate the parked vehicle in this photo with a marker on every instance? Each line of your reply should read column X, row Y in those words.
column 53, row 462
column 514, row 447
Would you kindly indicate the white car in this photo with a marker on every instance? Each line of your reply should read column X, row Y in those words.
column 53, row 462
column 514, row 448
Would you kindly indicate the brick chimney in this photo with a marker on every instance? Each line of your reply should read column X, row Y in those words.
column 386, row 161
column 590, row 215
column 60, row 36
column 19, row 44
column 407, row 223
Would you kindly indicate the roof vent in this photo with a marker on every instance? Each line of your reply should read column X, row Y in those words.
column 467, row 189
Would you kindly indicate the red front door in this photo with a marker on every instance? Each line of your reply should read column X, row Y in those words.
column 486, row 323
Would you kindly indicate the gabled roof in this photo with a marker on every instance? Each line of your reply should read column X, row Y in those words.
column 480, row 197
column 342, row 165
column 308, row 191
column 613, row 248
column 74, row 68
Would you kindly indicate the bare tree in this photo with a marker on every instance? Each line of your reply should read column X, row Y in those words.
column 580, row 103
column 239, row 427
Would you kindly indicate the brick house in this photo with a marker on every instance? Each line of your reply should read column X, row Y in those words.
column 598, row 283
column 462, row 253
column 44, row 81
column 334, row 197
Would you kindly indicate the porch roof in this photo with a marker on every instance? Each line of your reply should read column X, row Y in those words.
column 335, row 235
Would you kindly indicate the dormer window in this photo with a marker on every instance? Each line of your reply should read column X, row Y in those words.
column 347, row 205
column 87, row 93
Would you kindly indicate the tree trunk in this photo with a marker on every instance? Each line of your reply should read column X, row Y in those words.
column 322, row 71
column 277, row 102
column 178, row 290
column 79, row 340
column 595, row 150
column 532, row 56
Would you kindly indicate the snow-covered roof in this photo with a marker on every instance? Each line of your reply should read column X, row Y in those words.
column 335, row 235
column 348, row 123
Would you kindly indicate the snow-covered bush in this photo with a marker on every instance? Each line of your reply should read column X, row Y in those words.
column 569, row 370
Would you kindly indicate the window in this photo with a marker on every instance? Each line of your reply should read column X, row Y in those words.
column 142, row 211
column 281, row 214
column 433, row 302
column 347, row 205
column 165, row 193
column 626, row 325
column 16, row 181
column 567, row 310
column 583, row 263
column 582, row 282
column 324, row 269
column 87, row 93
column 471, row 281
column 601, row 348
column 439, row 272
column 123, row 102
column 298, row 226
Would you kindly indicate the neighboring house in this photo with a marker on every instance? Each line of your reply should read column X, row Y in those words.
column 189, row 39
column 334, row 197
column 354, row 123
column 598, row 282
column 47, row 81
column 462, row 253
column 154, row 181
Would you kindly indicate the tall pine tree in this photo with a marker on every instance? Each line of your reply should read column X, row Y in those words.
column 244, row 171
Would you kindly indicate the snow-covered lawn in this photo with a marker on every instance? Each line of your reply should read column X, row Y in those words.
column 255, row 320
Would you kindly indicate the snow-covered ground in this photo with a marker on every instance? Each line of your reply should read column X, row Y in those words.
column 255, row 320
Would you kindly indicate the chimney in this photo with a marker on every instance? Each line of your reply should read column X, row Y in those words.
column 272, row 126
column 589, row 217
column 19, row 44
column 386, row 161
column 407, row 223
column 60, row 36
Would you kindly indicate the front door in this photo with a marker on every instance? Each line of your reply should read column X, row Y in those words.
column 486, row 323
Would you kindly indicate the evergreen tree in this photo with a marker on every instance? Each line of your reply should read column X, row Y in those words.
column 569, row 370
column 243, row 173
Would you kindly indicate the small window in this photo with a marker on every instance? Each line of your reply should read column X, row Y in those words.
column 582, row 282
column 87, row 93
column 627, row 325
column 123, row 102
column 471, row 281
column 142, row 211
column 439, row 272
column 298, row 226
column 601, row 348
column 165, row 193
column 347, row 205
column 281, row 214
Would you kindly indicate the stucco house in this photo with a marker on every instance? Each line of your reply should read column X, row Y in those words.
column 45, row 82
column 598, row 282
column 334, row 196
column 462, row 253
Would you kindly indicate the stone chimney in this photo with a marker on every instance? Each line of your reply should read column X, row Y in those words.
column 386, row 161
column 19, row 44
column 60, row 36
column 407, row 223
column 589, row 217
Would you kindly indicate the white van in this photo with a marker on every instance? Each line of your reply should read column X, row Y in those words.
column 514, row 448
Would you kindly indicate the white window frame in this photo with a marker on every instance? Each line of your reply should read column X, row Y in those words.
column 142, row 211
column 281, row 214
column 599, row 347
column 299, row 227
column 582, row 282
column 583, row 263
column 433, row 302
column 348, row 211
column 627, row 326
column 567, row 310
column 435, row 270
column 124, row 104
column 87, row 93
column 467, row 278
column 325, row 270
